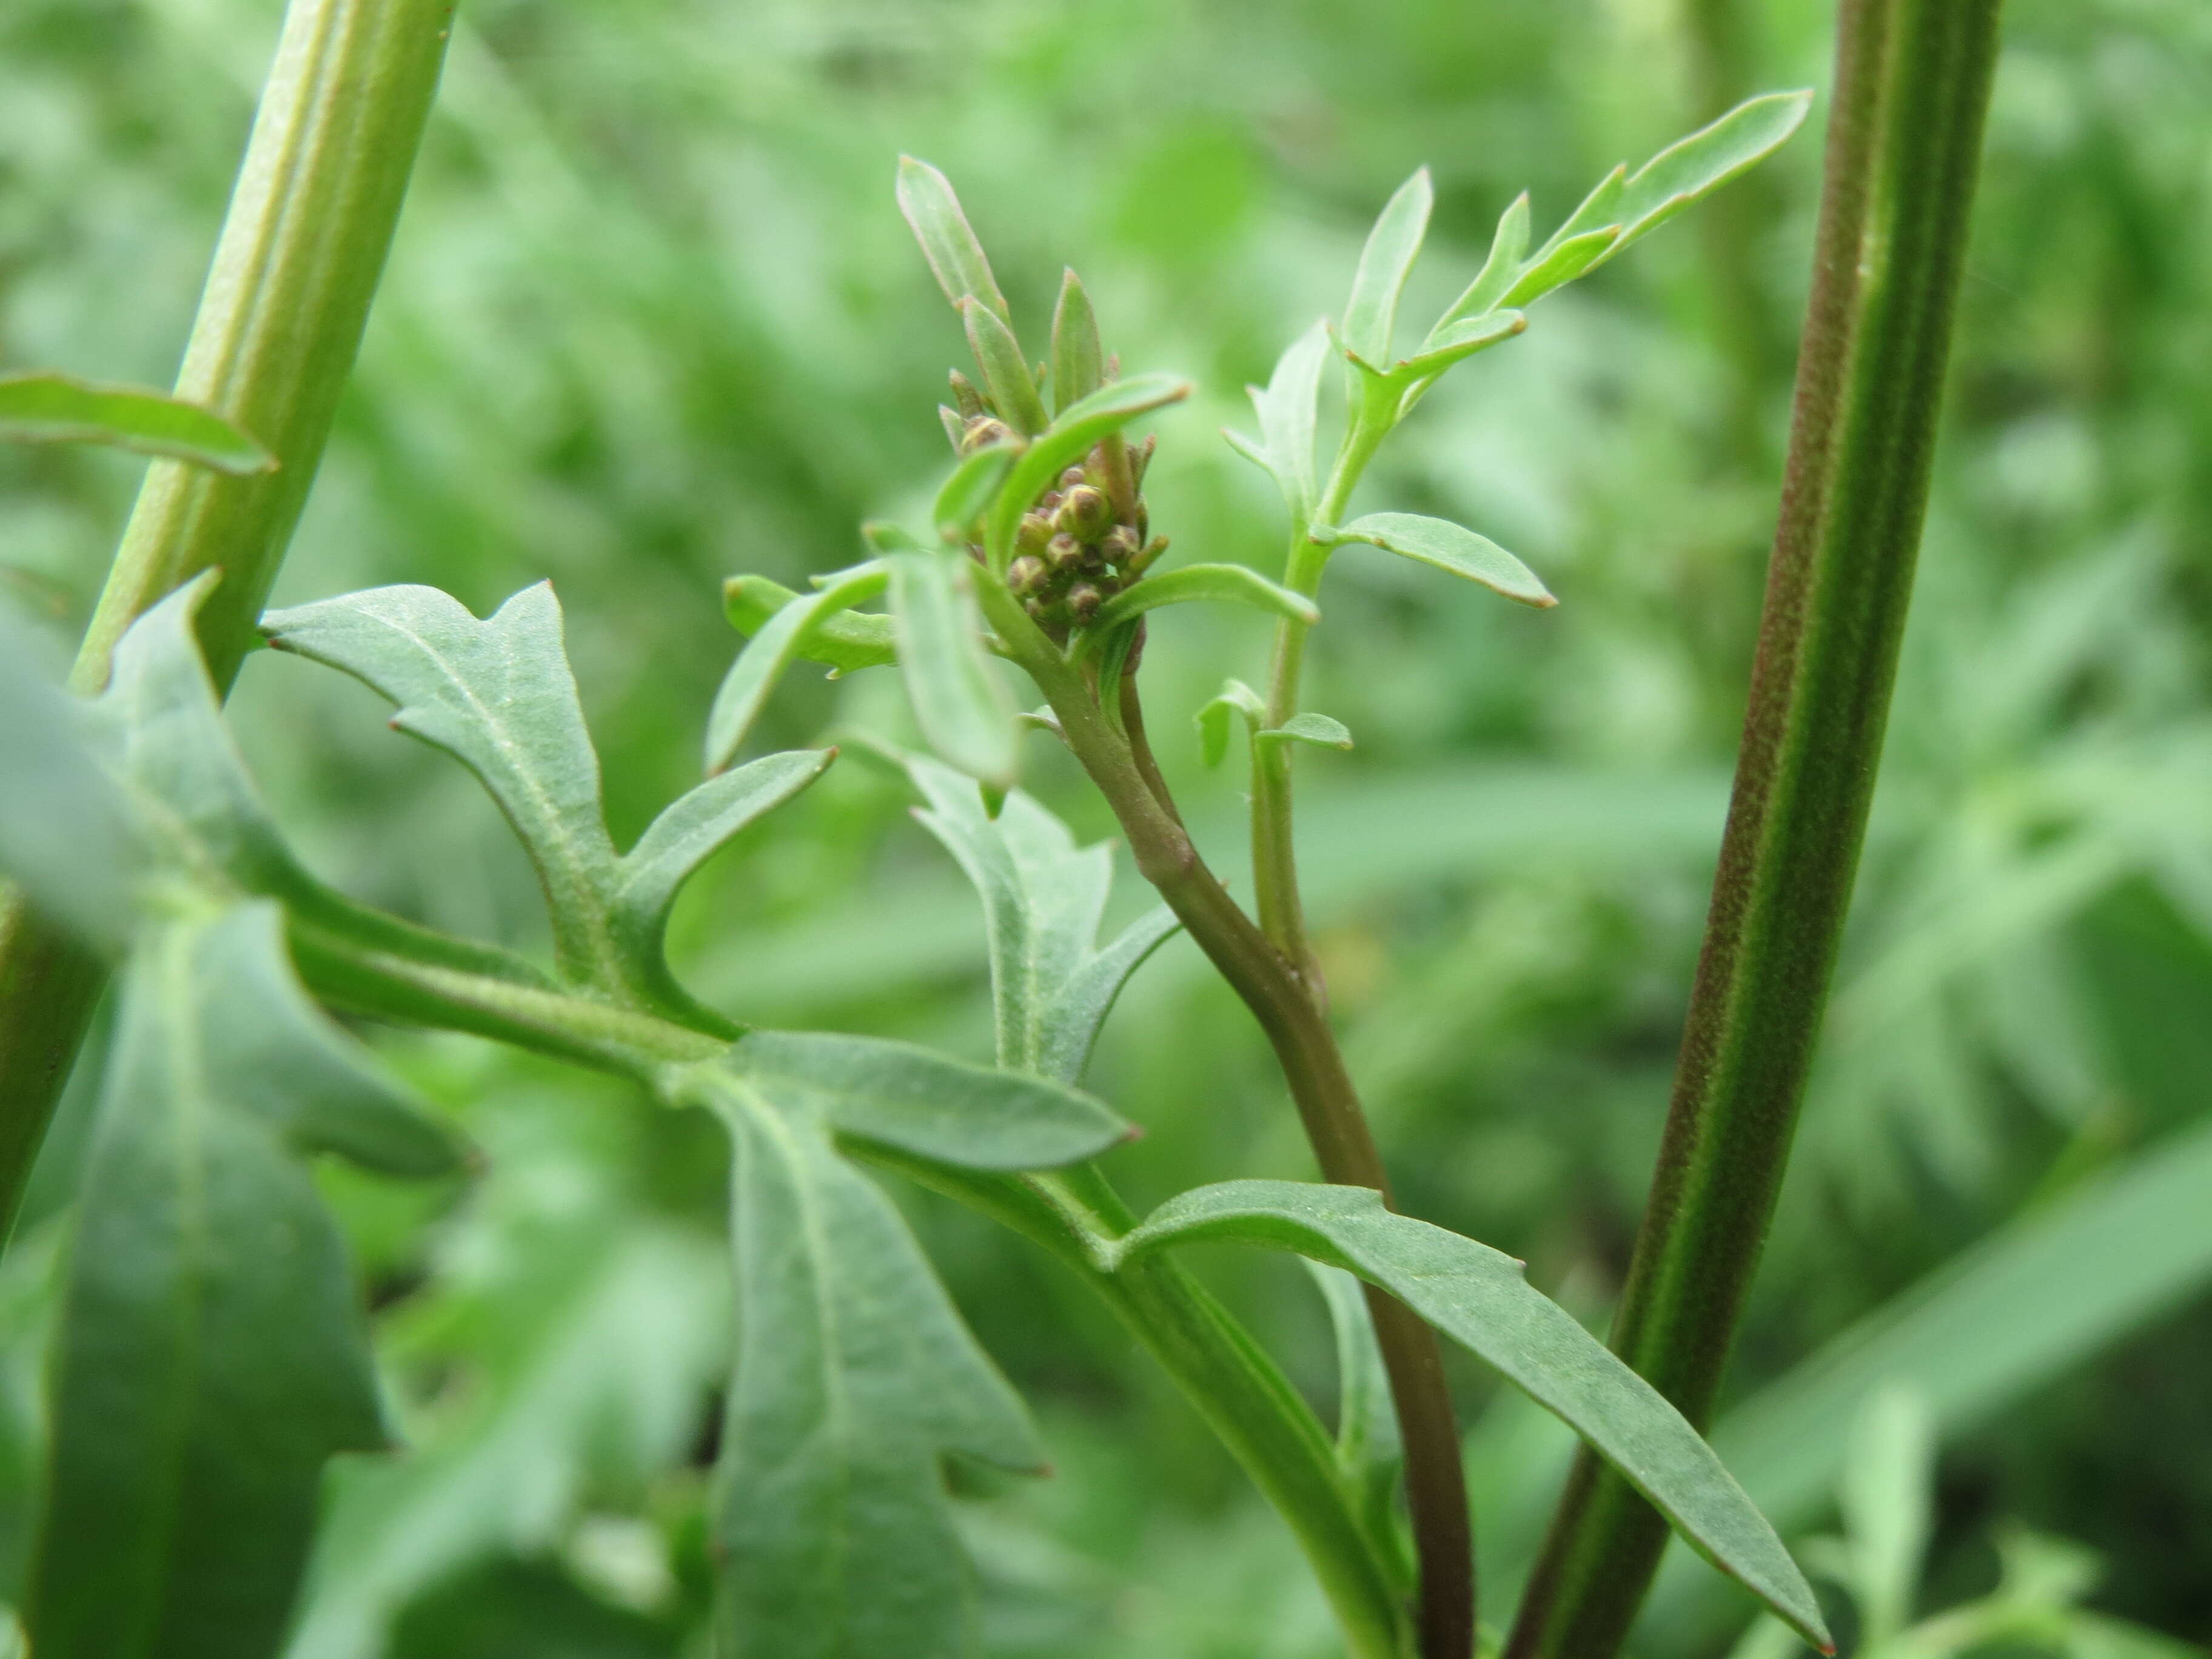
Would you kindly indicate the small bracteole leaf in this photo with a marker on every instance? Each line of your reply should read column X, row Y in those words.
column 968, row 494
column 1560, row 263
column 1069, row 438
column 1043, row 900
column 1384, row 264
column 925, row 197
column 958, row 703
column 1250, row 449
column 57, row 408
column 1318, row 730
column 1006, row 378
column 1449, row 547
column 1695, row 166
column 1078, row 363
column 782, row 641
column 1288, row 412
column 1509, row 248
column 210, row 1353
column 1225, row 584
column 1462, row 339
column 846, row 643
column 1479, row 1297
column 1234, row 698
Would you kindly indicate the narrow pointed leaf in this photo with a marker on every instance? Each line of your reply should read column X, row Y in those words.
column 1560, row 265
column 1080, row 425
column 1288, row 410
column 1006, row 378
column 1251, row 448
column 1318, row 730
column 927, row 1103
column 780, row 642
column 1222, row 584
column 1449, row 547
column 1043, row 900
column 965, row 496
column 1479, row 1297
column 1366, row 1422
column 958, row 703
column 1509, row 249
column 51, row 408
column 1463, row 339
column 691, row 831
column 210, row 1355
column 844, row 641
column 498, row 696
column 1234, row 698
column 1078, row 359
column 1695, row 166
column 1598, row 211
column 1384, row 264
column 948, row 241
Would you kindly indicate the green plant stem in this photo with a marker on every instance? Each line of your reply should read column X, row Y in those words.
column 1912, row 82
column 280, row 321
column 1230, row 1381
column 1283, row 997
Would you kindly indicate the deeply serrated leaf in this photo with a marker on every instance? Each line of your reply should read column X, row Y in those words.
column 1384, row 264
column 925, row 197
column 1288, row 410
column 1221, row 584
column 211, row 1355
column 1479, row 1297
column 1069, row 438
column 780, row 642
column 48, row 408
column 1077, row 359
column 844, row 641
column 1043, row 900
column 1452, row 547
column 958, row 703
column 498, row 696
column 854, row 1378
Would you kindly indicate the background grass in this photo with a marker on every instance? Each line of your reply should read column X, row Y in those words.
column 652, row 319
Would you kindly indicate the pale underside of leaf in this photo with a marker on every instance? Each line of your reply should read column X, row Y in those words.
column 47, row 408
column 1479, row 1297
column 958, row 703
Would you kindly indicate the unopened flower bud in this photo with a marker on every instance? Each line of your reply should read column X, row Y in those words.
column 983, row 431
column 1036, row 607
column 1072, row 476
column 1120, row 545
column 1064, row 550
column 1035, row 531
column 1085, row 513
column 1026, row 574
column 1083, row 602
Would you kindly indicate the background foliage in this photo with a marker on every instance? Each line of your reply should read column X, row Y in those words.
column 652, row 319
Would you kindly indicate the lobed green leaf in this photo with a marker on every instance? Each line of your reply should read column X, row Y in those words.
column 1509, row 249
column 844, row 641
column 1479, row 1297
column 1693, row 167
column 1043, row 901
column 1560, row 263
column 1451, row 343
column 1449, row 547
column 47, row 408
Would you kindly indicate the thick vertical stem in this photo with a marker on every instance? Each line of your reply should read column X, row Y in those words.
column 280, row 321
column 1912, row 82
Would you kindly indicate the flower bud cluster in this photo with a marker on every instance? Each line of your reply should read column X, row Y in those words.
column 1074, row 549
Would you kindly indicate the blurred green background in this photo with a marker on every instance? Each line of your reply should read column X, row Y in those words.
column 652, row 319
